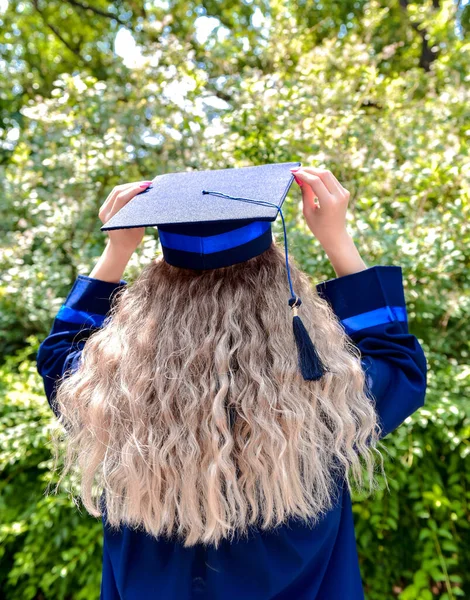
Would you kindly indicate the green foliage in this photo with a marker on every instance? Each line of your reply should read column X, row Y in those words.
column 414, row 538
column 46, row 544
column 375, row 91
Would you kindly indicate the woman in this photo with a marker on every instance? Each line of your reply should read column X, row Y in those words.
column 224, row 473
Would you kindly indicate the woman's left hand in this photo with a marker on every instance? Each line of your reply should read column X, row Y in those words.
column 124, row 240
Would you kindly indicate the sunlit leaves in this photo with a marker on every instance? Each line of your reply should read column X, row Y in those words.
column 331, row 84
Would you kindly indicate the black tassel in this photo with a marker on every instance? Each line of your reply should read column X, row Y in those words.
column 310, row 364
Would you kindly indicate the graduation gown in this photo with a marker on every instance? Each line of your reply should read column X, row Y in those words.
column 292, row 561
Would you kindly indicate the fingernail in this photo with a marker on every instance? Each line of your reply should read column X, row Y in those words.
column 145, row 184
column 294, row 169
column 299, row 181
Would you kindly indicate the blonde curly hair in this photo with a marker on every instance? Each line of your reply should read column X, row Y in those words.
column 189, row 412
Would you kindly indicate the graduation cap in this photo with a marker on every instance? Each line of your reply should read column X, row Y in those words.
column 213, row 219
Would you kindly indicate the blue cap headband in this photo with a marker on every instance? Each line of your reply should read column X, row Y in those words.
column 213, row 245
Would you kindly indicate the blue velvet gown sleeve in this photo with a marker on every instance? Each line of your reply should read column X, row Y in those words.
column 83, row 311
column 371, row 307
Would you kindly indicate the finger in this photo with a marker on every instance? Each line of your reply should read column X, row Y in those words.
column 308, row 199
column 316, row 184
column 112, row 195
column 118, row 188
column 108, row 208
column 330, row 181
column 125, row 195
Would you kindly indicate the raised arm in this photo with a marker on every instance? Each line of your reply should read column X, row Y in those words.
column 371, row 307
column 82, row 313
column 89, row 301
column 369, row 302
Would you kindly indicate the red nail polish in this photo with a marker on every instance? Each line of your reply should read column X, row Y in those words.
column 145, row 185
column 299, row 181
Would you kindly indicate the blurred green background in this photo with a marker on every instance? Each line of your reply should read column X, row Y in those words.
column 96, row 93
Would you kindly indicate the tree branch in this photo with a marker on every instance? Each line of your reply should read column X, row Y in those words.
column 427, row 55
column 103, row 13
column 57, row 33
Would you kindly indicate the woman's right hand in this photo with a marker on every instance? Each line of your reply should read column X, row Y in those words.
column 327, row 218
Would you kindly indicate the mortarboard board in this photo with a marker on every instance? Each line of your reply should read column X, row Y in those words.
column 198, row 230
column 216, row 218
